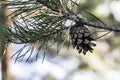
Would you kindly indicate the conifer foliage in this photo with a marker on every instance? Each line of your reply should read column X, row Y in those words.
column 43, row 22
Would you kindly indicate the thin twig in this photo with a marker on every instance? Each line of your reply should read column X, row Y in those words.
column 100, row 25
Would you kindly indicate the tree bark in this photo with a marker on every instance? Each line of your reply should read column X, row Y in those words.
column 7, row 50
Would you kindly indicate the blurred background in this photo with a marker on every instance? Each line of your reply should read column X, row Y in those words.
column 102, row 64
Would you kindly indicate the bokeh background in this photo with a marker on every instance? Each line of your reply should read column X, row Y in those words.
column 102, row 64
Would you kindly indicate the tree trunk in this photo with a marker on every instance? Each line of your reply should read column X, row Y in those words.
column 5, row 59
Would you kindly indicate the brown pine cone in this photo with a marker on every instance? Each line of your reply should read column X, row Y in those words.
column 82, row 39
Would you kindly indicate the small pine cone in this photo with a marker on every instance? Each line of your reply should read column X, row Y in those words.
column 82, row 39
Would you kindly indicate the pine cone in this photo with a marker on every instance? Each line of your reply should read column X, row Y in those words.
column 82, row 39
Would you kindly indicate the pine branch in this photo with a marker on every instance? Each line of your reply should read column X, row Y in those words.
column 80, row 20
column 47, row 19
column 81, row 37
